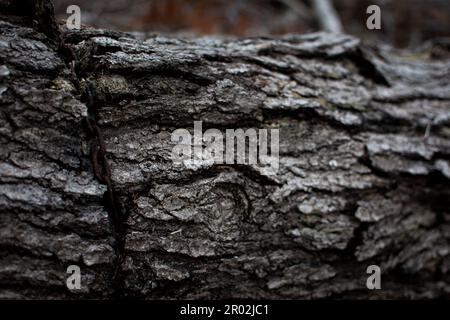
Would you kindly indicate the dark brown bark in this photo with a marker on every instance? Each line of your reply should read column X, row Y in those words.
column 364, row 166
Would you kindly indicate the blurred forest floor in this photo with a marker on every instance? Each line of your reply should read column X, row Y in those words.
column 405, row 23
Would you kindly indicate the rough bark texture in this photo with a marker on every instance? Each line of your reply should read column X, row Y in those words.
column 363, row 179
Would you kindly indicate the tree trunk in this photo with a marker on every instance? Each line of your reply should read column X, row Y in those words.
column 363, row 177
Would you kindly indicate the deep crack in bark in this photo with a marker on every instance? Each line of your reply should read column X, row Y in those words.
column 100, row 165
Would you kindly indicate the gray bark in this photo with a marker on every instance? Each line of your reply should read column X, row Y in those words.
column 364, row 166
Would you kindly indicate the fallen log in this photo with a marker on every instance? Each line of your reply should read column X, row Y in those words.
column 87, row 177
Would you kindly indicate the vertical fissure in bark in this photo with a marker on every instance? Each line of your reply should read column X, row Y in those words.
column 102, row 173
column 44, row 14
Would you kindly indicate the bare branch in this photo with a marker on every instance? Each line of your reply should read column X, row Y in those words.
column 327, row 16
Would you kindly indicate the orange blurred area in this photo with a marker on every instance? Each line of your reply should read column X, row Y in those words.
column 405, row 22
column 241, row 18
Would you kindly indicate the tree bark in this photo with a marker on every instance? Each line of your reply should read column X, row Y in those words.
column 363, row 180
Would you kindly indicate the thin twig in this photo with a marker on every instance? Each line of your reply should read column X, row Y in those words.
column 327, row 16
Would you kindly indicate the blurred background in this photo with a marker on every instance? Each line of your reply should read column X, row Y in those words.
column 405, row 23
